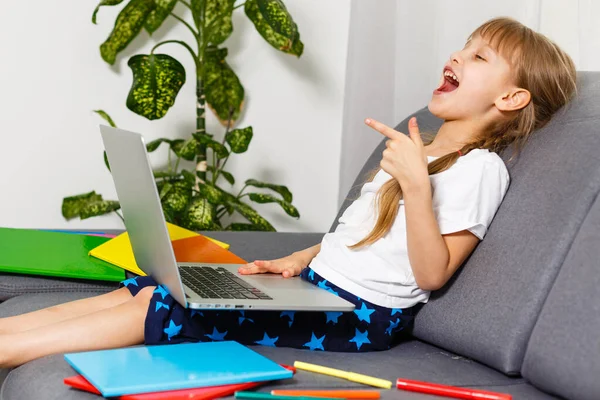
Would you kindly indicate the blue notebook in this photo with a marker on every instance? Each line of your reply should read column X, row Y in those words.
column 144, row 369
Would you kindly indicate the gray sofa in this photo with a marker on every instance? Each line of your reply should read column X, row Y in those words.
column 521, row 316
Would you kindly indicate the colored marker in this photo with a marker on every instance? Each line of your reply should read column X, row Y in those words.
column 269, row 396
column 449, row 391
column 351, row 376
column 339, row 394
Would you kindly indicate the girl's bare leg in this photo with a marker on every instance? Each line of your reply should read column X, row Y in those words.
column 119, row 326
column 62, row 312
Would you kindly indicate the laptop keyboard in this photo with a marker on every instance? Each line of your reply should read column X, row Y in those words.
column 218, row 283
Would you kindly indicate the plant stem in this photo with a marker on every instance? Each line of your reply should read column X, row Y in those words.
column 183, row 21
column 239, row 194
column 184, row 44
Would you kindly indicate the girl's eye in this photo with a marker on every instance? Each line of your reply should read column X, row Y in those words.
column 478, row 56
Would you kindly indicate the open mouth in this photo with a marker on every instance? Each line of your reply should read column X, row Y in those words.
column 449, row 81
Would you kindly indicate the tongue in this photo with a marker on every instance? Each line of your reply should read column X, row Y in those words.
column 447, row 86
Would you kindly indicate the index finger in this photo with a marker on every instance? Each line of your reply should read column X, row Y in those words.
column 382, row 128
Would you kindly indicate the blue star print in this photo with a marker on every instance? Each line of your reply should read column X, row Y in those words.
column 196, row 312
column 162, row 291
column 243, row 318
column 393, row 325
column 216, row 335
column 332, row 316
column 130, row 281
column 396, row 310
column 172, row 330
column 160, row 305
column 288, row 314
column 315, row 343
column 323, row 285
column 311, row 275
column 360, row 338
column 267, row 341
column 364, row 314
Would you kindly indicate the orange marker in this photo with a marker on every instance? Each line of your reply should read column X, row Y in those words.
column 342, row 394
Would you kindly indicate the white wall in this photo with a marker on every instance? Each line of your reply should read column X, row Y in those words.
column 52, row 77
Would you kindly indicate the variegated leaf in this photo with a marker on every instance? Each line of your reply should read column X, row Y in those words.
column 200, row 216
column 275, row 24
column 198, row 11
column 189, row 178
column 164, row 189
column 251, row 215
column 104, row 3
column 239, row 139
column 227, row 175
column 267, row 198
column 220, row 150
column 176, row 146
column 72, row 205
column 188, row 149
column 282, row 190
column 212, row 194
column 153, row 145
column 159, row 14
column 218, row 20
column 157, row 79
column 98, row 208
column 177, row 199
column 224, row 92
column 128, row 24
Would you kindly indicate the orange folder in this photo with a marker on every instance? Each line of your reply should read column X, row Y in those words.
column 201, row 249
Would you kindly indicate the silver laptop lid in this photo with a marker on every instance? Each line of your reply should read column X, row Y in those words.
column 142, row 211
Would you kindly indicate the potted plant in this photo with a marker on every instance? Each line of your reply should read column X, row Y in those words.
column 195, row 199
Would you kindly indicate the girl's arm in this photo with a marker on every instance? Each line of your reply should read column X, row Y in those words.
column 433, row 257
column 308, row 254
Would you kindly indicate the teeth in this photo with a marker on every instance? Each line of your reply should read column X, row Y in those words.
column 451, row 75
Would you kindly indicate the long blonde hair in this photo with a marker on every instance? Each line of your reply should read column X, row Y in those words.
column 539, row 66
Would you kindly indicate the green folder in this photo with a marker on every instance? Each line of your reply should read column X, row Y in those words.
column 34, row 252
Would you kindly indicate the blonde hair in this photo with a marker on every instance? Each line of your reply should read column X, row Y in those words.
column 539, row 66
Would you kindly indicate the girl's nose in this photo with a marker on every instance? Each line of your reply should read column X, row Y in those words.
column 456, row 57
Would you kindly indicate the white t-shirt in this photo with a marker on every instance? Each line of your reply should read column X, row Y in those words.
column 465, row 196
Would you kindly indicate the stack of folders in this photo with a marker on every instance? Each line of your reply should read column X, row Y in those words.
column 178, row 371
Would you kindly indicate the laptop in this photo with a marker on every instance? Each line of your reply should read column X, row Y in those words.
column 194, row 285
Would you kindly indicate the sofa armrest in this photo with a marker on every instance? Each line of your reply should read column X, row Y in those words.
column 248, row 245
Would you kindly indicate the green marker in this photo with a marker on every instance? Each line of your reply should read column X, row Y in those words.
column 269, row 396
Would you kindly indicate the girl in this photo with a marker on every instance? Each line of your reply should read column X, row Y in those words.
column 414, row 224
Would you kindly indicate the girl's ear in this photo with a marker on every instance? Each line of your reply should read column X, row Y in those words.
column 513, row 100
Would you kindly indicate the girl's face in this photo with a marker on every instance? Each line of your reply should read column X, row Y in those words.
column 472, row 82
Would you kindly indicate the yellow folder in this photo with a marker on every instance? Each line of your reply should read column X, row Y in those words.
column 118, row 250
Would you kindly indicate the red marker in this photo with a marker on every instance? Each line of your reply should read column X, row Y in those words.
column 449, row 391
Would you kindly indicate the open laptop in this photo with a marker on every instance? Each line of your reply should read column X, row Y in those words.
column 194, row 285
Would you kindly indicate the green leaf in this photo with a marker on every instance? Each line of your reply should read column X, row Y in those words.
column 217, row 15
column 275, row 24
column 220, row 150
column 251, row 215
column 198, row 11
column 188, row 149
column 239, row 139
column 106, row 117
column 200, row 215
column 176, row 200
column 153, row 145
column 71, row 206
column 127, row 26
column 227, row 175
column 165, row 189
column 157, row 79
column 267, row 198
column 189, row 178
column 224, row 92
column 238, row 226
column 282, row 190
column 176, row 146
column 104, row 3
column 159, row 14
column 212, row 194
column 98, row 208
column 106, row 161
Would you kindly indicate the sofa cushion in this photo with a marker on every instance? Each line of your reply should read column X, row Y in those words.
column 412, row 359
column 487, row 311
column 248, row 245
column 568, row 328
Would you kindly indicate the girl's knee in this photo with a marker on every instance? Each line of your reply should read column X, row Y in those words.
column 143, row 297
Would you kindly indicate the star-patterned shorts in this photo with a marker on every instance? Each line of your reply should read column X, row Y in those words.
column 368, row 328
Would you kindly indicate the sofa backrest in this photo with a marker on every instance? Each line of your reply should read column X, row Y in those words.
column 563, row 354
column 488, row 310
